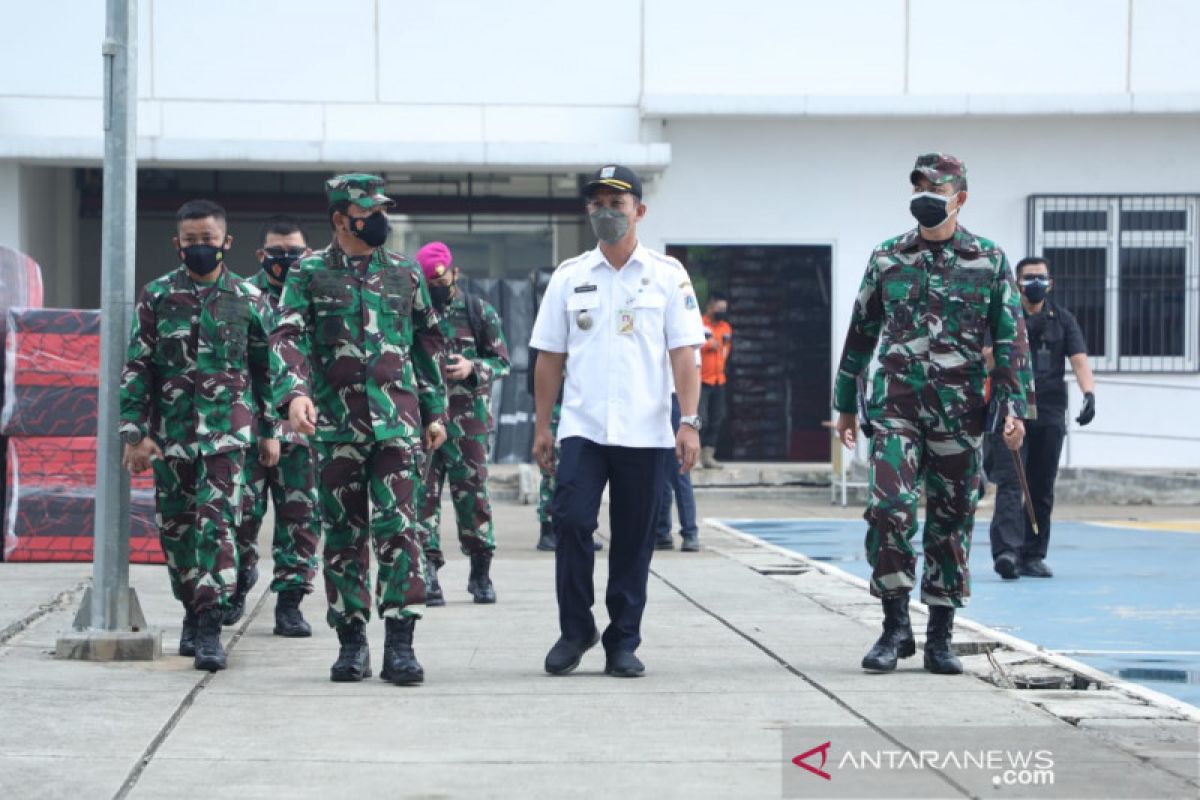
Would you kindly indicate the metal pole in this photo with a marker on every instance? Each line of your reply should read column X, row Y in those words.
column 110, row 569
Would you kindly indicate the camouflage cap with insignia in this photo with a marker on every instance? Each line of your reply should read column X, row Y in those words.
column 364, row 191
column 939, row 168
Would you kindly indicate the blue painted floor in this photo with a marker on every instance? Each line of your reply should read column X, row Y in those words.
column 1124, row 600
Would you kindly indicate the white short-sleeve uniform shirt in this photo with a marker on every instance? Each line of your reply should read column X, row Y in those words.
column 617, row 328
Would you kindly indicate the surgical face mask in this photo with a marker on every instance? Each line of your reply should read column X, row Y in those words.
column 373, row 230
column 609, row 225
column 1035, row 289
column 202, row 259
column 278, row 261
column 440, row 295
column 930, row 209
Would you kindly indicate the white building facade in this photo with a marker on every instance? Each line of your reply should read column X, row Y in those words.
column 773, row 135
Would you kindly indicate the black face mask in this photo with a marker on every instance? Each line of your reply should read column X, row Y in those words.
column 202, row 259
column 929, row 209
column 720, row 316
column 440, row 295
column 1035, row 291
column 373, row 230
column 277, row 264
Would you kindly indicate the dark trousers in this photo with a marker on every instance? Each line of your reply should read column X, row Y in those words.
column 712, row 413
column 1011, row 531
column 634, row 477
column 679, row 485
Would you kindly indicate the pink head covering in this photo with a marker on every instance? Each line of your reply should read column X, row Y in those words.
column 435, row 258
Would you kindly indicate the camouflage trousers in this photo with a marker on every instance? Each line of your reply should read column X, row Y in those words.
column 943, row 455
column 366, row 495
column 291, row 486
column 198, row 505
column 462, row 459
column 546, row 490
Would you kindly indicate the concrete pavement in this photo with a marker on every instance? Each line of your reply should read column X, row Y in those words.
column 750, row 654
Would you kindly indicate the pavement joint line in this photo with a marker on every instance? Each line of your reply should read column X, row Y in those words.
column 1132, row 691
column 811, row 682
column 185, row 704
column 59, row 601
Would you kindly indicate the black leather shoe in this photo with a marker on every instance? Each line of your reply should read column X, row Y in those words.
column 354, row 656
column 897, row 640
column 1006, row 566
column 664, row 544
column 624, row 665
column 939, row 656
column 187, row 635
column 210, row 653
column 566, row 654
column 434, row 596
column 547, row 541
column 246, row 578
column 400, row 665
column 1036, row 568
column 479, row 584
column 289, row 621
column 691, row 544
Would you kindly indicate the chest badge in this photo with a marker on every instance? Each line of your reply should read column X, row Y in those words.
column 584, row 320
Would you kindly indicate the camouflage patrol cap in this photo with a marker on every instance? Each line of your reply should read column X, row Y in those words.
column 364, row 191
column 939, row 168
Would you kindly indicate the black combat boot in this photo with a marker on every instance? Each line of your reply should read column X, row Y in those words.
column 939, row 656
column 479, row 584
column 434, row 596
column 187, row 636
column 400, row 665
column 246, row 578
column 897, row 640
column 547, row 542
column 354, row 656
column 210, row 653
column 289, row 621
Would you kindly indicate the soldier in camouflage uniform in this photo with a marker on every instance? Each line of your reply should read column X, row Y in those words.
column 195, row 382
column 355, row 355
column 933, row 294
column 291, row 483
column 475, row 356
column 547, row 541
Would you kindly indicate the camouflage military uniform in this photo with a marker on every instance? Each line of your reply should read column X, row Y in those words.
column 931, row 307
column 546, row 490
column 359, row 336
column 291, row 485
column 196, row 379
column 464, row 455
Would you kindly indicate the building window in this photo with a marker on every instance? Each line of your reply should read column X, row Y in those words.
column 1127, row 266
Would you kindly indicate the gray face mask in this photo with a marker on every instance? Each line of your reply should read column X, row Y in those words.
column 609, row 225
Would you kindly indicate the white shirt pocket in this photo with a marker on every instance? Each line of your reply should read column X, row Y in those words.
column 582, row 309
column 650, row 309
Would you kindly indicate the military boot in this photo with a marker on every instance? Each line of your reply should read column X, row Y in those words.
column 289, row 621
column 434, row 596
column 547, row 541
column 939, row 656
column 246, row 578
column 479, row 584
column 400, row 665
column 897, row 640
column 210, row 653
column 187, row 635
column 708, row 458
column 354, row 656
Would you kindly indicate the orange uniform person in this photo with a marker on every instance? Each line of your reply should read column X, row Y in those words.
column 714, row 354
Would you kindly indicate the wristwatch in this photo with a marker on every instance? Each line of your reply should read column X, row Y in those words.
column 692, row 421
column 131, row 437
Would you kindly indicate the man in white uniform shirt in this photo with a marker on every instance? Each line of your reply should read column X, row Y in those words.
column 622, row 319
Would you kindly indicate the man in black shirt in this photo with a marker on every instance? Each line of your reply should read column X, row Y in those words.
column 1054, row 337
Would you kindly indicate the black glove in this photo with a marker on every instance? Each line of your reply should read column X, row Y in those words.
column 1088, row 412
